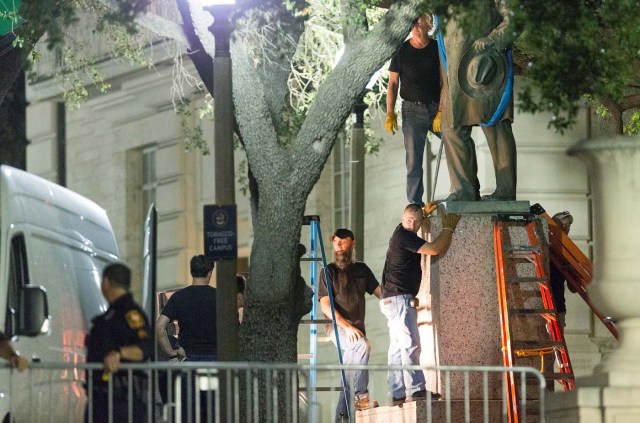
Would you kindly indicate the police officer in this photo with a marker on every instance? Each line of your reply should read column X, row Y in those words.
column 120, row 335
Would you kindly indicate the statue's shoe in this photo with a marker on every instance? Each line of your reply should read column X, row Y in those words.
column 497, row 197
column 462, row 196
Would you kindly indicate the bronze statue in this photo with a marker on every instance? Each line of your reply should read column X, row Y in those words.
column 474, row 81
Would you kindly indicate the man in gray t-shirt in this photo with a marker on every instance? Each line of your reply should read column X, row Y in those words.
column 349, row 281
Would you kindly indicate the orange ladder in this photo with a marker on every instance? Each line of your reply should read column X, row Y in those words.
column 573, row 264
column 527, row 330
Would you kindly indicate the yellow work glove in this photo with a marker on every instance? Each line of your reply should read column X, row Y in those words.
column 391, row 124
column 450, row 221
column 437, row 122
column 429, row 208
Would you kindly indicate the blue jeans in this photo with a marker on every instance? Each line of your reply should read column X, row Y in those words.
column 404, row 345
column 201, row 357
column 190, row 402
column 358, row 380
column 416, row 121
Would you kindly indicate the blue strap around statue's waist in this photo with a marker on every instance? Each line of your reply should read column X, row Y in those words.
column 507, row 94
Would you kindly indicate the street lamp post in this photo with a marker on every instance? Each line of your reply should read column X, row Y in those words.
column 226, row 303
column 356, row 209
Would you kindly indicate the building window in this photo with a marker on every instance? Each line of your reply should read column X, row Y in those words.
column 341, row 181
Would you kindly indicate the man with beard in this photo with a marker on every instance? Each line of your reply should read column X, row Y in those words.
column 350, row 280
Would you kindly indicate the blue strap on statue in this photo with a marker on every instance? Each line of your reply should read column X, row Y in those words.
column 507, row 94
column 440, row 38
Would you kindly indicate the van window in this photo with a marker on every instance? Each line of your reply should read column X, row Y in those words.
column 18, row 277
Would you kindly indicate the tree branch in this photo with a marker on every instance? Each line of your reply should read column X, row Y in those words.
column 200, row 58
column 347, row 82
column 616, row 112
column 255, row 123
column 274, row 41
column 629, row 102
column 354, row 21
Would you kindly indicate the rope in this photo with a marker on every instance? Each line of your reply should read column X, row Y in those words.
column 507, row 94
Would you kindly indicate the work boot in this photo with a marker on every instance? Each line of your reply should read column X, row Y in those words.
column 424, row 395
column 364, row 403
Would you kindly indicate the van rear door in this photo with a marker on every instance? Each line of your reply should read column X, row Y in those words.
column 149, row 303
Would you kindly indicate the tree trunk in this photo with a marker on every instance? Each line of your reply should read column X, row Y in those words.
column 277, row 298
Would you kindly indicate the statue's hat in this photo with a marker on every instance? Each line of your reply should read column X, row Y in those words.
column 482, row 73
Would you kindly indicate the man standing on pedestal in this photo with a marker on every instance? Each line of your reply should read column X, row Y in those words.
column 415, row 68
column 401, row 279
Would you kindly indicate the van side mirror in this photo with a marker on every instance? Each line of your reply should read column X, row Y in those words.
column 34, row 311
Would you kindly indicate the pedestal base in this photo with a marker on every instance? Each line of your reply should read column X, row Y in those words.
column 420, row 411
column 459, row 316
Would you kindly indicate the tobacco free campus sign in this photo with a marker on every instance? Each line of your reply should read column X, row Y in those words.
column 221, row 232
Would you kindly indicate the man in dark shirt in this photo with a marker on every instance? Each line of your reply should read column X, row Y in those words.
column 401, row 279
column 194, row 307
column 556, row 278
column 119, row 335
column 350, row 280
column 415, row 68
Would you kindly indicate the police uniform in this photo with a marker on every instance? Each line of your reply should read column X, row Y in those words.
column 124, row 324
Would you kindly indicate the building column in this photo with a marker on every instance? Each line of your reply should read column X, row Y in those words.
column 612, row 393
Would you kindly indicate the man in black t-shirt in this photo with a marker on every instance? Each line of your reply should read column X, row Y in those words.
column 401, row 279
column 194, row 307
column 556, row 278
column 349, row 281
column 415, row 68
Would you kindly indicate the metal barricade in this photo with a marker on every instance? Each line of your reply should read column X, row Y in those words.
column 215, row 392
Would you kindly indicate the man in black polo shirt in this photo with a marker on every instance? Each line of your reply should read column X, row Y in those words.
column 401, row 279
column 415, row 68
column 350, row 280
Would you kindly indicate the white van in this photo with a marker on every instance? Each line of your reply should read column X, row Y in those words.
column 54, row 244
